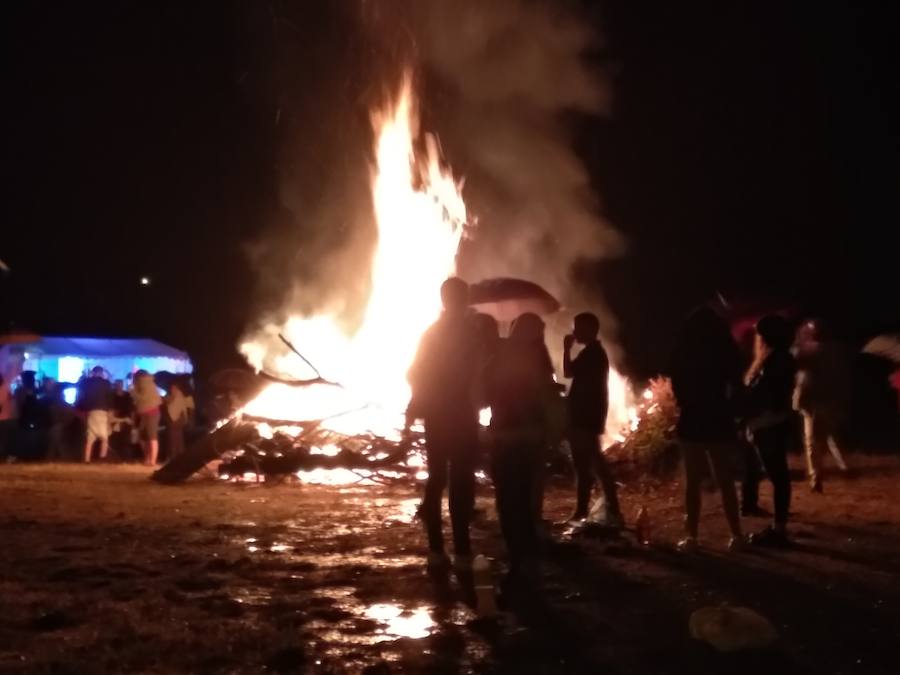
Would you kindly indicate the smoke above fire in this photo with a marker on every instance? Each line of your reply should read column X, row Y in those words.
column 510, row 74
column 500, row 84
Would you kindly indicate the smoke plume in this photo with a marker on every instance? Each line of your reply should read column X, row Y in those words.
column 510, row 74
column 501, row 82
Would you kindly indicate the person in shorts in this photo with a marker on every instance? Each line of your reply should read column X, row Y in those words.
column 95, row 401
column 147, row 404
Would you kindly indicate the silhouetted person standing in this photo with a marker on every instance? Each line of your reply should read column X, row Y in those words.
column 706, row 374
column 588, row 403
column 770, row 385
column 443, row 380
column 518, row 381
column 57, row 414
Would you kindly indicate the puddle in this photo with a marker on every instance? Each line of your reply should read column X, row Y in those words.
column 359, row 619
column 399, row 622
column 251, row 596
column 371, row 623
column 404, row 511
column 374, row 559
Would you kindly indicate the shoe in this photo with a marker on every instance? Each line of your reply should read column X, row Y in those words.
column 463, row 563
column 815, row 485
column 736, row 544
column 577, row 516
column 770, row 536
column 754, row 512
column 438, row 560
column 687, row 545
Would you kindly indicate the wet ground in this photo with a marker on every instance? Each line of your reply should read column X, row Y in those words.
column 102, row 570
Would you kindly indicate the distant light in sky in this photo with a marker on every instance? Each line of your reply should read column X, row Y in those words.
column 145, row 281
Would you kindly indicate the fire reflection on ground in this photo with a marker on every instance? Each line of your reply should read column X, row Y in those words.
column 399, row 622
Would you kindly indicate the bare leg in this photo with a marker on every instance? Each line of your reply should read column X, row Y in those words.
column 104, row 447
column 154, row 451
column 723, row 469
column 88, row 447
column 811, row 445
column 836, row 453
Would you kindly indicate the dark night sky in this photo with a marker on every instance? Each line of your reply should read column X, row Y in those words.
column 753, row 149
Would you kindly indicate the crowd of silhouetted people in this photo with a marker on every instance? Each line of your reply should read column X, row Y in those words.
column 727, row 413
column 109, row 420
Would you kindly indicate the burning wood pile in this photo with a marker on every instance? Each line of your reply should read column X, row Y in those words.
column 251, row 449
column 317, row 456
column 645, row 442
column 342, row 424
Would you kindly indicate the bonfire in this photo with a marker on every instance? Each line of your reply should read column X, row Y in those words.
column 333, row 410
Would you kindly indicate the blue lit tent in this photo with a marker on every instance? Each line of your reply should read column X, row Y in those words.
column 66, row 359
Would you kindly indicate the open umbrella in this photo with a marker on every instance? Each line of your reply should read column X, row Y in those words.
column 885, row 346
column 506, row 298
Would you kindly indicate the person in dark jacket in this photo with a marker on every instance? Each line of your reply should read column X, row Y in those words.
column 706, row 374
column 518, row 382
column 588, row 404
column 443, row 382
column 58, row 415
column 768, row 404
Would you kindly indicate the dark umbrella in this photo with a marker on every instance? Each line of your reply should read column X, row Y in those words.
column 505, row 298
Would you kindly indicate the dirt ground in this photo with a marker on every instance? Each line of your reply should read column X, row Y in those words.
column 103, row 571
